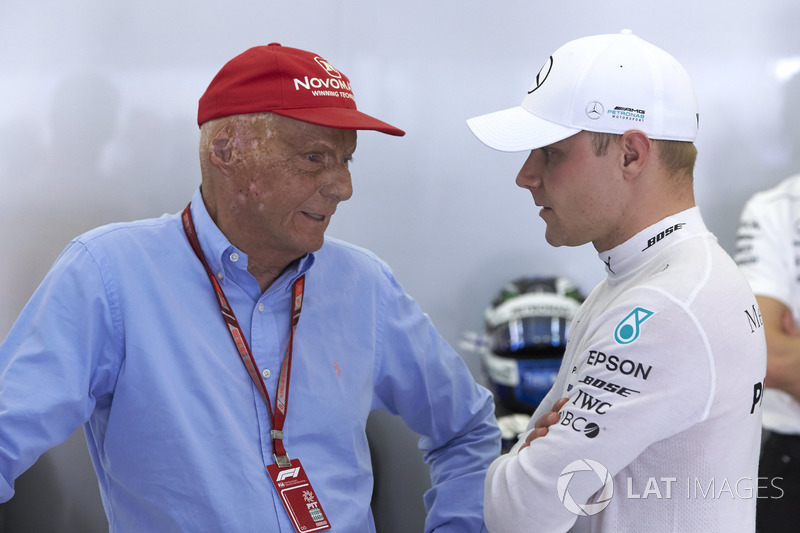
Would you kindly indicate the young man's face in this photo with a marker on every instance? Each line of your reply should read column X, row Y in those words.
column 577, row 190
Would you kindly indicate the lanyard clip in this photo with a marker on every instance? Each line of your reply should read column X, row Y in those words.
column 282, row 461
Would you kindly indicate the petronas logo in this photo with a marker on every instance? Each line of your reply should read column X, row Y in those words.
column 628, row 329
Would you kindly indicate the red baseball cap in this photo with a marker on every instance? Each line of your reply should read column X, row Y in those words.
column 288, row 82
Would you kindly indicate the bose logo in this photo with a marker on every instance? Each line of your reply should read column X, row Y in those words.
column 286, row 474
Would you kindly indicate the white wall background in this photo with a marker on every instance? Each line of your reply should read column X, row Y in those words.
column 97, row 124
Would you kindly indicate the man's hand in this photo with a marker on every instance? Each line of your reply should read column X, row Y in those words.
column 783, row 346
column 544, row 422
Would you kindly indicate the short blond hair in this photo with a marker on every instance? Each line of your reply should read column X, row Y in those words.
column 677, row 156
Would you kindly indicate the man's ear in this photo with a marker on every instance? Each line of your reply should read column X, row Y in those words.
column 636, row 151
column 220, row 149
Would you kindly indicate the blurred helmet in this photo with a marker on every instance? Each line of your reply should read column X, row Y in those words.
column 526, row 328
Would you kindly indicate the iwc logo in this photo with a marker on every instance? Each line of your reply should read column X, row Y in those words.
column 603, row 498
column 595, row 110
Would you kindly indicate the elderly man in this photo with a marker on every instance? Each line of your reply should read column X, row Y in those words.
column 653, row 422
column 224, row 360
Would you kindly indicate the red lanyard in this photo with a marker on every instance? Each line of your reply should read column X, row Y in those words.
column 282, row 394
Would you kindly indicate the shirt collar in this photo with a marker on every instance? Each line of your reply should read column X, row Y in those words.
column 652, row 240
column 215, row 245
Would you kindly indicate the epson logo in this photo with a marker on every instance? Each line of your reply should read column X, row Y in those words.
column 579, row 424
column 615, row 364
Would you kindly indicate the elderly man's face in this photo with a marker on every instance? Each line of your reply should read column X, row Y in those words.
column 287, row 179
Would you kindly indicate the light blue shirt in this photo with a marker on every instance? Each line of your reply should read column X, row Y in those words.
column 125, row 336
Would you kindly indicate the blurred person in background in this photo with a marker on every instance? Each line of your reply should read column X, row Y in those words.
column 768, row 253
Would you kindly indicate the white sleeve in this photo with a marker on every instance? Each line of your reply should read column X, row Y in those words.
column 764, row 250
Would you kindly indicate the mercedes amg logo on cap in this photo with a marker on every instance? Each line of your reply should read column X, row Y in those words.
column 332, row 72
column 594, row 110
column 542, row 75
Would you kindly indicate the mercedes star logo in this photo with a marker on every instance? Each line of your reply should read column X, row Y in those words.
column 594, row 110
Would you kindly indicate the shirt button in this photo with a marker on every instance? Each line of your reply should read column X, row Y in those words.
column 261, row 307
column 266, row 373
column 219, row 275
column 234, row 257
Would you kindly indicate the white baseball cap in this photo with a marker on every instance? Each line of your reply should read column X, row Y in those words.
column 605, row 83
